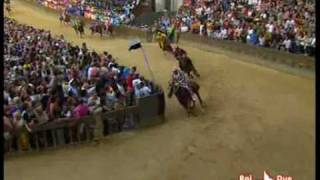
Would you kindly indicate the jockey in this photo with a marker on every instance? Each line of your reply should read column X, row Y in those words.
column 161, row 37
column 179, row 78
column 106, row 24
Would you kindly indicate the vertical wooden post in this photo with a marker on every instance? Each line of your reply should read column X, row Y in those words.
column 45, row 139
column 98, row 130
column 37, row 141
column 54, row 138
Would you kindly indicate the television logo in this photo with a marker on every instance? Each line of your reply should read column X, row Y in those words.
column 266, row 176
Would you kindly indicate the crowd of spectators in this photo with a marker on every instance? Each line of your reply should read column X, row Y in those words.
column 49, row 79
column 116, row 11
column 281, row 24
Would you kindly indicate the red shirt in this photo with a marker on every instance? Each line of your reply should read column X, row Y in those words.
column 129, row 82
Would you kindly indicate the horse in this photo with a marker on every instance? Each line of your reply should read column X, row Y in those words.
column 101, row 28
column 97, row 27
column 187, row 66
column 164, row 42
column 65, row 18
column 110, row 30
column 78, row 27
column 184, row 97
column 173, row 35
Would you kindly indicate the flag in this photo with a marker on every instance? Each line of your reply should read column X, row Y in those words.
column 136, row 44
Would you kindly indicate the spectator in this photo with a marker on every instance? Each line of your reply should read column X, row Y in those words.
column 143, row 90
column 80, row 110
column 48, row 78
column 236, row 20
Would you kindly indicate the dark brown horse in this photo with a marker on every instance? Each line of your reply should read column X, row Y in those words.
column 100, row 28
column 97, row 27
column 65, row 18
column 187, row 66
column 184, row 97
column 78, row 27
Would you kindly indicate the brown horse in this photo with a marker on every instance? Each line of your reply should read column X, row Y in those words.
column 65, row 18
column 184, row 97
column 187, row 66
column 99, row 27
column 78, row 27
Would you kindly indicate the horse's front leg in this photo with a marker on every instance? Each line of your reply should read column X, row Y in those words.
column 200, row 99
column 194, row 70
column 190, row 108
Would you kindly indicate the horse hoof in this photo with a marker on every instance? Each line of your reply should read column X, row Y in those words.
column 203, row 105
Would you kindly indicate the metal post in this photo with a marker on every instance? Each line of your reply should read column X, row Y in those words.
column 147, row 63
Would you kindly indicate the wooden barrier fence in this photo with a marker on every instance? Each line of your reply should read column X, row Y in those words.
column 80, row 130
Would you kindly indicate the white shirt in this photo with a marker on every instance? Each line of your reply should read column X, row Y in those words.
column 287, row 43
column 136, row 82
column 143, row 92
column 271, row 28
column 224, row 33
column 313, row 41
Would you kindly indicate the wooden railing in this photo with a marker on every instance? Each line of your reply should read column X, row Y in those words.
column 67, row 131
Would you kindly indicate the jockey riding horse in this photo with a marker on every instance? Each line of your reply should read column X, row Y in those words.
column 97, row 27
column 172, row 34
column 65, row 17
column 101, row 27
column 163, row 41
column 78, row 26
column 185, row 62
column 185, row 90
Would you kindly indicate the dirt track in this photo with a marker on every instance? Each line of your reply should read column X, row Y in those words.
column 257, row 119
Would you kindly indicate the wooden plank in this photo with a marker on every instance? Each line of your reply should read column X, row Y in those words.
column 54, row 138
column 45, row 139
column 87, row 133
column 70, row 135
column 78, row 133
column 36, row 136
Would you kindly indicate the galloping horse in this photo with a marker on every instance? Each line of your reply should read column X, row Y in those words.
column 97, row 27
column 65, row 18
column 185, row 62
column 184, row 97
column 187, row 66
column 101, row 28
column 173, row 35
column 78, row 26
column 163, row 41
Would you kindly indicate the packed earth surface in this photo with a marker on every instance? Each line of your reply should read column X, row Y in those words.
column 256, row 119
